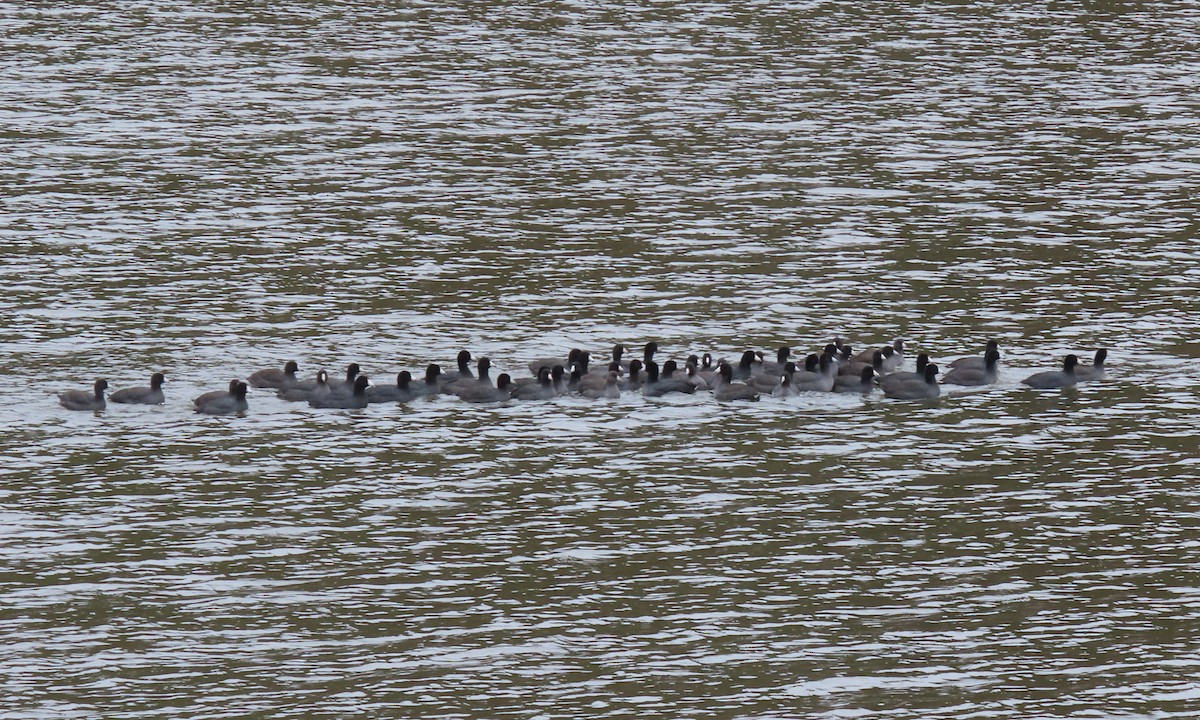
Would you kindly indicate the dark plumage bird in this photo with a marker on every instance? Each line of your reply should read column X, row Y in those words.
column 866, row 355
column 543, row 389
column 657, row 386
column 558, row 376
column 550, row 362
column 483, row 366
column 975, row 361
column 610, row 390
column 648, row 352
column 785, row 389
column 302, row 391
column 971, row 375
column 855, row 368
column 432, row 384
column 767, row 383
column 346, row 387
column 152, row 395
column 898, row 378
column 745, row 367
column 1055, row 378
column 774, row 368
column 485, row 393
column 1095, row 371
column 729, row 391
column 636, row 377
column 224, row 402
column 864, row 383
column 84, row 399
column 917, row 388
column 274, row 377
column 892, row 356
column 402, row 391
column 356, row 399
column 464, row 368
column 820, row 380
column 893, row 359
column 707, row 371
column 596, row 381
column 618, row 352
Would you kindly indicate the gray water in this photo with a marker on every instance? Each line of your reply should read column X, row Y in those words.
column 207, row 189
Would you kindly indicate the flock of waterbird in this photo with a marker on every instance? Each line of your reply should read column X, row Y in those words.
column 837, row 368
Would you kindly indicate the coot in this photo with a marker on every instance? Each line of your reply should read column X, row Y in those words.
column 402, row 391
column 356, row 399
column 485, row 393
column 84, row 399
column 729, row 391
column 864, row 383
column 224, row 402
column 1055, row 378
column 971, row 375
column 916, row 388
column 274, row 377
column 302, row 391
column 152, row 395
column 1095, row 371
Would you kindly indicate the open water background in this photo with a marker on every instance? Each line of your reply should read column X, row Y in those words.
column 207, row 188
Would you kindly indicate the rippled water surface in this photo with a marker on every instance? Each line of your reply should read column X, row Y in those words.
column 210, row 188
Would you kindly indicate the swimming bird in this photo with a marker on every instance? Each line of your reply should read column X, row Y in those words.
column 854, row 368
column 302, row 391
column 84, row 399
column 864, row 383
column 274, row 377
column 745, row 366
column 916, row 388
column 152, row 395
column 635, row 379
column 1095, row 371
column 785, row 389
column 729, row 391
column 893, row 359
column 550, row 362
column 483, row 366
column 485, row 393
column 346, row 387
column 618, row 352
column 819, row 380
column 707, row 371
column 431, row 385
column 224, row 402
column 355, row 400
column 767, row 367
column 657, row 386
column 573, row 380
column 648, row 352
column 975, row 361
column 1055, row 378
column 611, row 389
column 464, row 368
column 402, row 391
column 898, row 378
column 558, row 378
column 767, row 383
column 971, row 375
column 543, row 389
column 596, row 381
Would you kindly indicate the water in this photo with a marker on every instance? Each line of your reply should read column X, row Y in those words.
column 206, row 190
